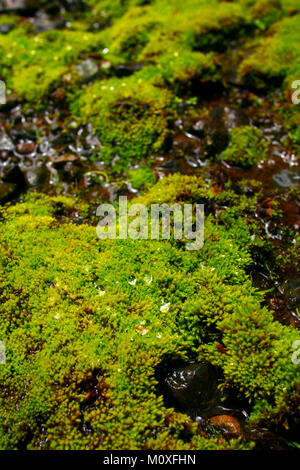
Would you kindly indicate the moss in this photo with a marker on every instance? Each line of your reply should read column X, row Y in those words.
column 275, row 56
column 83, row 340
column 246, row 147
column 130, row 124
column 25, row 58
column 141, row 178
column 174, row 43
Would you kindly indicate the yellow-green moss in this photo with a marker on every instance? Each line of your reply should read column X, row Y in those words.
column 83, row 340
column 130, row 116
column 277, row 54
column 246, row 147
column 34, row 64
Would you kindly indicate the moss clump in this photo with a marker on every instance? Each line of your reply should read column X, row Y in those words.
column 246, row 147
column 147, row 33
column 84, row 331
column 130, row 116
column 34, row 64
column 275, row 55
column 141, row 178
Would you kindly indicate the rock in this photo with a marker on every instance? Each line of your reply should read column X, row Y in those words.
column 291, row 291
column 226, row 422
column 6, row 142
column 24, row 134
column 43, row 23
column 220, row 122
column 6, row 28
column 87, row 70
column 7, row 192
column 19, row 6
column 15, row 176
column 71, row 172
column 170, row 165
column 37, row 176
column 193, row 387
column 286, row 178
column 62, row 139
column 12, row 100
column 66, row 157
column 197, row 129
column 25, row 148
column 124, row 70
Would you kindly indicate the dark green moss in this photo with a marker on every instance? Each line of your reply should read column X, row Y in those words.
column 246, row 147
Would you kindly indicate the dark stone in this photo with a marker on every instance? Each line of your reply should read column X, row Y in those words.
column 38, row 176
column 63, row 139
column 124, row 70
column 44, row 23
column 170, row 165
column 71, row 5
column 71, row 172
column 217, row 137
column 220, row 122
column 24, row 134
column 197, row 129
column 7, row 192
column 6, row 28
column 12, row 100
column 291, row 291
column 193, row 387
column 52, row 8
column 14, row 175
column 23, row 7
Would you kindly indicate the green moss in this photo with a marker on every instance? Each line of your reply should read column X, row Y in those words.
column 246, row 147
column 25, row 58
column 83, row 340
column 175, row 42
column 130, row 116
column 276, row 56
column 141, row 177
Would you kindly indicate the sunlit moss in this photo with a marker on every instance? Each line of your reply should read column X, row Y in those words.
column 84, row 331
column 276, row 56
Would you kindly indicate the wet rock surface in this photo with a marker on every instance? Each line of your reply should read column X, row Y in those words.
column 220, row 122
column 192, row 387
column 287, row 178
column 228, row 423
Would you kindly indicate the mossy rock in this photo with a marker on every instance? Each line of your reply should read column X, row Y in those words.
column 129, row 115
column 247, row 147
column 276, row 56
column 84, row 329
